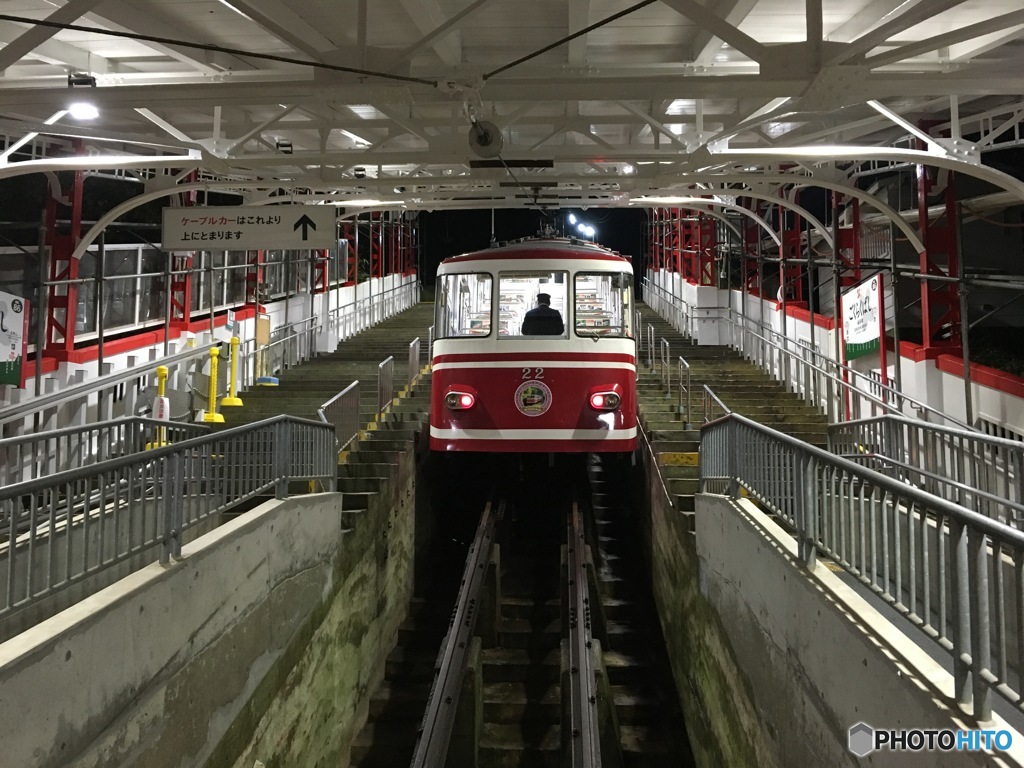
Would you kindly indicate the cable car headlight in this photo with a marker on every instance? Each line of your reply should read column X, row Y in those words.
column 605, row 400
column 460, row 401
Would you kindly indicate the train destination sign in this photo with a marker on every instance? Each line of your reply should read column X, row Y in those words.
column 243, row 227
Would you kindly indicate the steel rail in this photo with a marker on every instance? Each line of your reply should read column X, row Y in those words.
column 584, row 736
column 439, row 717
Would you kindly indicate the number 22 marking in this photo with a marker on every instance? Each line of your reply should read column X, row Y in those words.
column 537, row 373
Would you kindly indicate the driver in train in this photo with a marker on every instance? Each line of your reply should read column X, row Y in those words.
column 542, row 320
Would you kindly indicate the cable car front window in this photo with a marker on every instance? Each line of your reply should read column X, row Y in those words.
column 532, row 304
column 604, row 302
column 463, row 305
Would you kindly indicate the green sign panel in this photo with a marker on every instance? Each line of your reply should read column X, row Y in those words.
column 13, row 336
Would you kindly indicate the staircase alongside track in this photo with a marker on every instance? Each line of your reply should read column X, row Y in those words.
column 742, row 386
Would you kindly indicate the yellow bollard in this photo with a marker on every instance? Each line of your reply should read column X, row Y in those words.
column 232, row 399
column 160, row 407
column 211, row 415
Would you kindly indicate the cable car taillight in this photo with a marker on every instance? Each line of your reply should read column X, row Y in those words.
column 459, row 401
column 604, row 401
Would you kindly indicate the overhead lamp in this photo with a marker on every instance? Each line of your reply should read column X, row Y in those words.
column 81, row 80
column 581, row 228
column 572, row 218
column 283, row 146
column 82, row 110
column 590, row 232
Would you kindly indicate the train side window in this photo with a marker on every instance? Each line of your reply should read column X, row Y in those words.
column 603, row 304
column 463, row 305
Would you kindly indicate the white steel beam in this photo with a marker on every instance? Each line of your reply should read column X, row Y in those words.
column 719, row 27
column 282, row 22
column 866, row 19
column 35, row 36
column 707, row 45
column 427, row 15
column 161, row 123
column 1003, row 127
column 579, row 18
column 911, row 17
column 906, row 125
column 965, row 52
column 62, row 54
column 650, row 121
column 259, row 128
column 442, row 29
column 123, row 16
column 960, row 35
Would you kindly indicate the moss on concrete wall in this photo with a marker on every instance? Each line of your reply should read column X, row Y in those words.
column 724, row 728
column 313, row 701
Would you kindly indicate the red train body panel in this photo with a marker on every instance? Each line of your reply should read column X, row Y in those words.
column 496, row 390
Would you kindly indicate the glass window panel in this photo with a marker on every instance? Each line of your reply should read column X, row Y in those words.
column 524, row 292
column 152, row 290
column 463, row 305
column 85, row 311
column 604, row 303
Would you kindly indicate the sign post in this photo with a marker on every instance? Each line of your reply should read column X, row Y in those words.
column 14, row 313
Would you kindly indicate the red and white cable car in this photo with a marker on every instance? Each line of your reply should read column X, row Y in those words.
column 503, row 382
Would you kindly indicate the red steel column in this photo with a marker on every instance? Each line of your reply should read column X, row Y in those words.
column 940, row 300
column 347, row 246
column 376, row 244
column 707, row 266
column 62, row 300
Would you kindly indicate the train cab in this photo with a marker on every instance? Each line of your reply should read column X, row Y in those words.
column 534, row 350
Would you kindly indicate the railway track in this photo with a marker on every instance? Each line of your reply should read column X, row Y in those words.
column 547, row 658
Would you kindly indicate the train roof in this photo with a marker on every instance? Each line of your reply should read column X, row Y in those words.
column 542, row 248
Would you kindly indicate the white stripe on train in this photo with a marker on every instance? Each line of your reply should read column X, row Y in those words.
column 552, row 364
column 533, row 434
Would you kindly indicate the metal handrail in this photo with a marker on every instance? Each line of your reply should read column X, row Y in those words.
column 26, row 457
column 708, row 402
column 939, row 565
column 414, row 362
column 890, row 394
column 385, row 383
column 650, row 346
column 684, row 368
column 666, row 368
column 980, row 471
column 92, row 522
column 430, row 345
column 41, row 403
column 641, row 432
column 838, row 378
column 294, row 343
column 363, row 313
column 342, row 413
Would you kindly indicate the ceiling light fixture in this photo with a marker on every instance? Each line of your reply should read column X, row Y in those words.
column 82, row 110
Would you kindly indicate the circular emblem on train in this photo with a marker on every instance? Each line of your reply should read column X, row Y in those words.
column 533, row 398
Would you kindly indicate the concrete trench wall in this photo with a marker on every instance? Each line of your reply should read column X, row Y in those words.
column 773, row 663
column 262, row 642
column 722, row 720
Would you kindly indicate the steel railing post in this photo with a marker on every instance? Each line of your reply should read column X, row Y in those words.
column 981, row 647
column 171, row 495
column 282, row 436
